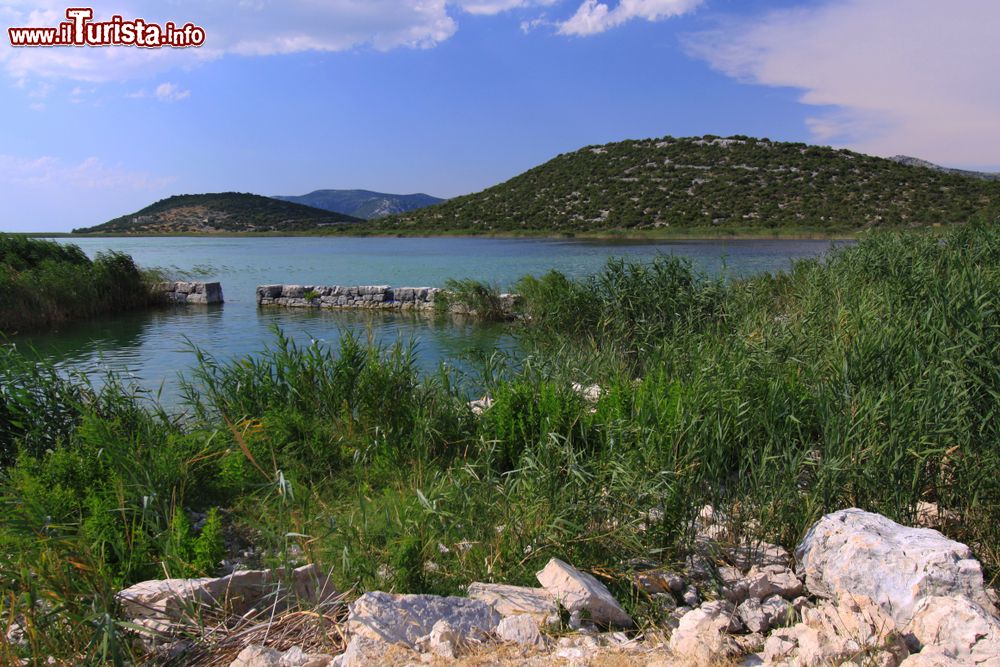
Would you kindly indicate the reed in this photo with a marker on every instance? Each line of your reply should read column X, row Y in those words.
column 870, row 378
column 47, row 283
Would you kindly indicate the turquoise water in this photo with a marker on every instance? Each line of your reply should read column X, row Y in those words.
column 152, row 348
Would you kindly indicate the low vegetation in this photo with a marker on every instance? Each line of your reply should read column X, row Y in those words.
column 709, row 185
column 472, row 297
column 219, row 212
column 45, row 283
column 870, row 378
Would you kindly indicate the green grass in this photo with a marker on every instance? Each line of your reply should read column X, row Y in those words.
column 870, row 378
column 47, row 283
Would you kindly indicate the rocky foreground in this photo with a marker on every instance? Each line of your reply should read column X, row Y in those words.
column 864, row 591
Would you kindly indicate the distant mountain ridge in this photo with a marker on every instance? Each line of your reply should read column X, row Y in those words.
column 917, row 162
column 220, row 212
column 740, row 184
column 364, row 204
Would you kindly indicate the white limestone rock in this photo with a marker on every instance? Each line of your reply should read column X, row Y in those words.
column 780, row 612
column 521, row 629
column 443, row 641
column 957, row 627
column 703, row 635
column 763, row 582
column 362, row 651
column 160, row 603
column 734, row 586
column 857, row 552
column 853, row 629
column 691, row 597
column 579, row 591
column 753, row 615
column 261, row 656
column 517, row 600
column 406, row 619
column 296, row 657
column 932, row 657
column 761, row 616
column 257, row 656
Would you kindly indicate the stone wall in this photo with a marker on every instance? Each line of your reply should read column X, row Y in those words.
column 381, row 297
column 191, row 292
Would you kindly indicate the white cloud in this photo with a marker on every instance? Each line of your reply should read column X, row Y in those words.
column 169, row 92
column 915, row 77
column 490, row 7
column 529, row 26
column 89, row 174
column 593, row 16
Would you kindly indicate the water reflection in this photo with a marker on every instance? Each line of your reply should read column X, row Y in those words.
column 152, row 348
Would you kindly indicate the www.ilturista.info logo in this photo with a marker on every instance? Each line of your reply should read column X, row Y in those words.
column 81, row 30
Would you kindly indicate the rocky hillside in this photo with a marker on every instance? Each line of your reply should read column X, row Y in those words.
column 917, row 162
column 363, row 203
column 735, row 183
column 219, row 212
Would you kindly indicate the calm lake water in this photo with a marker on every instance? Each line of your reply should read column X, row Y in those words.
column 153, row 347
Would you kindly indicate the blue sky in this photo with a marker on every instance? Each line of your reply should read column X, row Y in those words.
column 452, row 97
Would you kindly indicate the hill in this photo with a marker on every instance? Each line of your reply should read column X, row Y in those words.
column 917, row 162
column 219, row 212
column 363, row 203
column 735, row 183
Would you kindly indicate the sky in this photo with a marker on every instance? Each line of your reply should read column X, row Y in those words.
column 450, row 97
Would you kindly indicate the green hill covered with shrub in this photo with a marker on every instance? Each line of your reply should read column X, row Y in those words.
column 736, row 184
column 219, row 212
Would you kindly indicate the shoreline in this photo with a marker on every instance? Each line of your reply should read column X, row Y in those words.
column 603, row 235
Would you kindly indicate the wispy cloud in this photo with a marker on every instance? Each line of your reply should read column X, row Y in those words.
column 79, row 93
column 491, row 7
column 593, row 16
column 169, row 92
column 917, row 77
column 90, row 174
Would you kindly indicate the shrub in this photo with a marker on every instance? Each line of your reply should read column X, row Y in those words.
column 209, row 548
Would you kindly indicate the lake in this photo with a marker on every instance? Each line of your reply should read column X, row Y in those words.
column 153, row 347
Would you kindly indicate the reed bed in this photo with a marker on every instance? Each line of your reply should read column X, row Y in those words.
column 48, row 283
